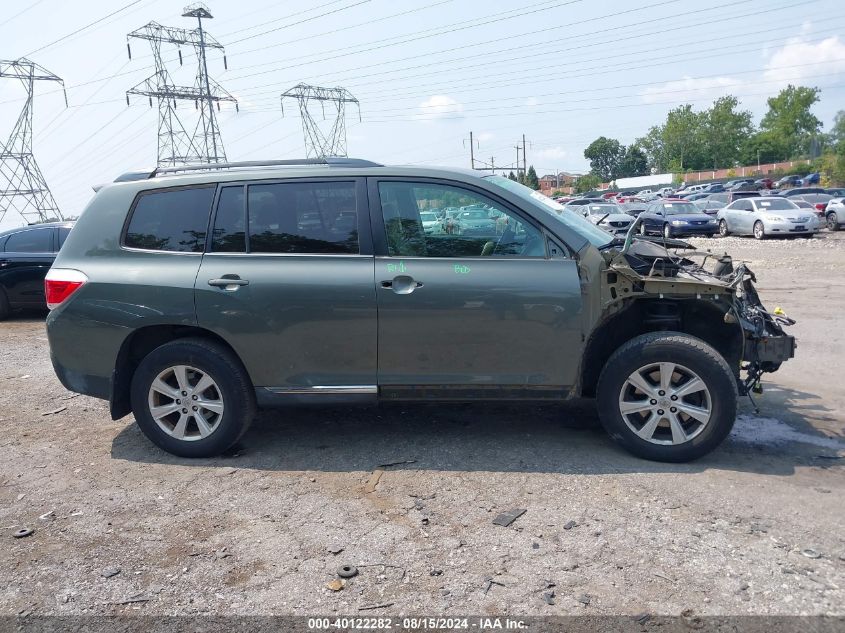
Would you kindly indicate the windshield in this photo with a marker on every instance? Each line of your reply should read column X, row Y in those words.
column 775, row 204
column 602, row 209
column 589, row 231
column 679, row 208
column 428, row 217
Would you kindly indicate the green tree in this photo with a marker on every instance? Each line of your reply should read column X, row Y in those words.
column 790, row 121
column 531, row 179
column 652, row 145
column 587, row 183
column 762, row 146
column 726, row 129
column 511, row 176
column 837, row 132
column 633, row 163
column 604, row 155
column 683, row 139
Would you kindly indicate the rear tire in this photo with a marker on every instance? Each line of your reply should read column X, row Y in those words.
column 832, row 223
column 650, row 427
column 202, row 422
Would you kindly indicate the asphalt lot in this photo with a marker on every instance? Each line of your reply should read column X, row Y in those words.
column 121, row 527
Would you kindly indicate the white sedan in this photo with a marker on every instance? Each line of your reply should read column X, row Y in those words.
column 766, row 217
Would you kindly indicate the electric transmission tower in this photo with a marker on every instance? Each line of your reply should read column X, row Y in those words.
column 317, row 143
column 177, row 142
column 22, row 185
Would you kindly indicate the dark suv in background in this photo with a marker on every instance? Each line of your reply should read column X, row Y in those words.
column 193, row 295
column 26, row 255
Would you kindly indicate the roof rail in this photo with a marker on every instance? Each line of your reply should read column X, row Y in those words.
column 329, row 162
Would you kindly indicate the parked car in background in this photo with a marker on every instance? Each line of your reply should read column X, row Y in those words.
column 714, row 187
column 580, row 202
column 675, row 218
column 764, row 183
column 811, row 179
column 818, row 200
column 607, row 195
column 431, row 222
column 665, row 192
column 633, row 208
column 789, row 181
column 836, row 192
column 801, row 191
column 26, row 254
column 609, row 217
column 835, row 214
column 710, row 205
column 766, row 216
column 692, row 197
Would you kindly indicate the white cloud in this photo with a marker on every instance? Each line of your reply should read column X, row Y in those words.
column 485, row 136
column 690, row 89
column 439, row 106
column 531, row 102
column 550, row 153
column 799, row 58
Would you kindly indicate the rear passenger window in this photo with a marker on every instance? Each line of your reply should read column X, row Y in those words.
column 303, row 218
column 33, row 241
column 171, row 220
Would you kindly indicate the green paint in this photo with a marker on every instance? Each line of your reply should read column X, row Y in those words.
column 461, row 270
column 396, row 268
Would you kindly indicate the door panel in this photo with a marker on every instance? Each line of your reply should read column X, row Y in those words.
column 479, row 314
column 22, row 268
column 289, row 284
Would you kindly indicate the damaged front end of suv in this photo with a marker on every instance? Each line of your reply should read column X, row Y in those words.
column 678, row 288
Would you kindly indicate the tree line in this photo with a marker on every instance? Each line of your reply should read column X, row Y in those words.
column 724, row 136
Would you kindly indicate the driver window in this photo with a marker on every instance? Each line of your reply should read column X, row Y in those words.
column 432, row 220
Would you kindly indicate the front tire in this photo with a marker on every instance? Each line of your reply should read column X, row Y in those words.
column 192, row 398
column 723, row 228
column 667, row 231
column 667, row 396
column 5, row 309
column 832, row 222
column 759, row 231
column 642, row 229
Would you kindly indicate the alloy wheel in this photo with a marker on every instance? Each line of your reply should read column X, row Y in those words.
column 665, row 403
column 759, row 233
column 186, row 403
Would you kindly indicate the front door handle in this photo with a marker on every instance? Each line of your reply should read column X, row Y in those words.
column 402, row 284
column 228, row 282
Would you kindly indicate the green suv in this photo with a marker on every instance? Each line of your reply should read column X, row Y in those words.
column 193, row 295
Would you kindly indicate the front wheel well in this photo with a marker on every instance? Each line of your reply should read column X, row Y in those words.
column 133, row 350
column 697, row 317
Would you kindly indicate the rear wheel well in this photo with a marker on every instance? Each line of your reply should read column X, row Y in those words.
column 697, row 317
column 136, row 346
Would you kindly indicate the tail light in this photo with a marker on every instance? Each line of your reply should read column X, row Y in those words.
column 61, row 283
column 821, row 206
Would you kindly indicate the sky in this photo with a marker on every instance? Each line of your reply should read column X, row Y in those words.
column 426, row 74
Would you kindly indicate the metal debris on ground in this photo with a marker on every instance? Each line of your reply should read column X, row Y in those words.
column 488, row 584
column 23, row 532
column 133, row 599
column 48, row 515
column 347, row 571
column 373, row 480
column 335, row 549
column 569, row 525
column 584, row 599
column 335, row 585
column 108, row 572
column 370, row 607
column 549, row 597
column 811, row 553
column 54, row 411
column 506, row 518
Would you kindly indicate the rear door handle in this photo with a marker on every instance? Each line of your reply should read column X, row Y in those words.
column 228, row 283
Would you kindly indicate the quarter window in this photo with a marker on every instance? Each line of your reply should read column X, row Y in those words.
column 303, row 218
column 32, row 241
column 465, row 224
column 171, row 220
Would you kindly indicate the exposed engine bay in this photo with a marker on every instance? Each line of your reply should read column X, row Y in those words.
column 673, row 269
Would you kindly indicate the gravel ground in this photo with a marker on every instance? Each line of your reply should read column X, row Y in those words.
column 121, row 527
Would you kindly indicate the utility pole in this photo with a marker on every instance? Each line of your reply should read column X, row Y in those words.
column 318, row 144
column 524, row 157
column 22, row 185
column 473, row 144
column 177, row 143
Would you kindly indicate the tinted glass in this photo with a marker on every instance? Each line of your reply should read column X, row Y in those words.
column 63, row 233
column 229, row 234
column 32, row 241
column 171, row 220
column 303, row 218
column 485, row 230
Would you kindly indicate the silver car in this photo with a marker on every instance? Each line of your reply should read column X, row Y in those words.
column 835, row 214
column 610, row 217
column 765, row 217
